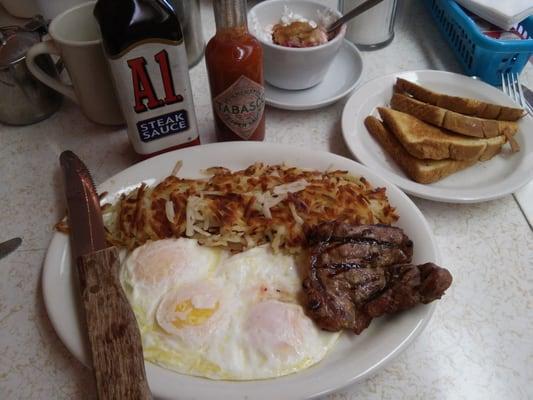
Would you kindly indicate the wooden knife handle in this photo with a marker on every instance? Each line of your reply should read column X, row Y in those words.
column 114, row 337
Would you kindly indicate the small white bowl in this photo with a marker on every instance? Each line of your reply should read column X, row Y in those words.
column 288, row 67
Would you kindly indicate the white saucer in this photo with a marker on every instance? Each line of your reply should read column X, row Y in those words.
column 341, row 78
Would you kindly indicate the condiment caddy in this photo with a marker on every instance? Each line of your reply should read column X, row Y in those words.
column 479, row 54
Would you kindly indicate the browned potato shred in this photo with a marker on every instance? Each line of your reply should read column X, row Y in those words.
column 239, row 210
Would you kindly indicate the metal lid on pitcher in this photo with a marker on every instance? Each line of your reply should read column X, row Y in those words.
column 14, row 44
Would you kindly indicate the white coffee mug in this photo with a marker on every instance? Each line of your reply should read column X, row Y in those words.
column 76, row 39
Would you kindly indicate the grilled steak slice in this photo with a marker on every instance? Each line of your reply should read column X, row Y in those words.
column 357, row 273
column 407, row 286
column 335, row 297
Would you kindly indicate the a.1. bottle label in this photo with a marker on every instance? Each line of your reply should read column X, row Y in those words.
column 155, row 94
column 164, row 125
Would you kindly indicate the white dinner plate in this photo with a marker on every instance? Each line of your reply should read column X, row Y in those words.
column 492, row 179
column 352, row 359
column 342, row 77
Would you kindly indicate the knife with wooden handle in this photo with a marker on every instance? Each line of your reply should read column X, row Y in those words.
column 114, row 337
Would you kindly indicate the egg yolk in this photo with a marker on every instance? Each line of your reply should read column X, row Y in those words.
column 188, row 315
column 191, row 312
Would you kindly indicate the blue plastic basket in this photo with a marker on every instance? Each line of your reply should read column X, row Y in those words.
column 479, row 54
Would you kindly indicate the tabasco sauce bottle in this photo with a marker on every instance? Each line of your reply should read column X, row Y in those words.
column 234, row 61
column 144, row 44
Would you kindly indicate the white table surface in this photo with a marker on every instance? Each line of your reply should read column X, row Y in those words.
column 479, row 344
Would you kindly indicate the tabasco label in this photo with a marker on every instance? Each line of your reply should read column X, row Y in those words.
column 241, row 106
column 153, row 86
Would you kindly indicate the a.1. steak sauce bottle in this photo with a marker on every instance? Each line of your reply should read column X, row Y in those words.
column 144, row 44
column 234, row 60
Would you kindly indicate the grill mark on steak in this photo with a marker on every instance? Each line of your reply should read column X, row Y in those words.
column 365, row 274
column 342, row 267
column 343, row 232
column 356, row 240
column 362, row 253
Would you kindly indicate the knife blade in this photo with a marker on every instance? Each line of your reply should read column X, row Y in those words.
column 9, row 246
column 87, row 234
column 528, row 95
column 114, row 337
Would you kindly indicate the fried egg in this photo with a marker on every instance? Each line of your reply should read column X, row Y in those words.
column 204, row 312
column 153, row 269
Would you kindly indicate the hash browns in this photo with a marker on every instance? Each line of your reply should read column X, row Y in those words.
column 274, row 204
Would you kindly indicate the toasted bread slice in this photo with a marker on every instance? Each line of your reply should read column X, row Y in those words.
column 421, row 171
column 455, row 122
column 494, row 146
column 462, row 105
column 426, row 141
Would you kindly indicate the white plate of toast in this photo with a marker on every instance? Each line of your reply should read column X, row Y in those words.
column 440, row 135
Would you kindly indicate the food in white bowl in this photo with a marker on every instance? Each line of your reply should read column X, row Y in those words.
column 299, row 34
column 294, row 30
column 297, row 50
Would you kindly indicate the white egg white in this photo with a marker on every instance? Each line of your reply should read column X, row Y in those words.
column 156, row 267
column 203, row 312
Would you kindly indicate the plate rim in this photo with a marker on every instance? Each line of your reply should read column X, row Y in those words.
column 60, row 239
column 328, row 101
column 424, row 191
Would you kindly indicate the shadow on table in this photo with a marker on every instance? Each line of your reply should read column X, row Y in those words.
column 415, row 25
column 80, row 378
column 337, row 145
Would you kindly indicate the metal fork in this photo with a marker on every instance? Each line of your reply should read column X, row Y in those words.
column 512, row 88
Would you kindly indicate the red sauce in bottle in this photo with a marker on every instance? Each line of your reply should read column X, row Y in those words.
column 234, row 61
